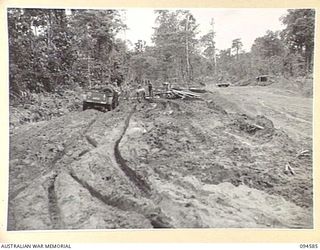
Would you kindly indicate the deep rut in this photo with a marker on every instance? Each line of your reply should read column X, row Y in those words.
column 156, row 218
column 54, row 210
column 131, row 174
column 88, row 127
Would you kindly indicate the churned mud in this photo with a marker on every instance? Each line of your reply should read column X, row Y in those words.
column 208, row 163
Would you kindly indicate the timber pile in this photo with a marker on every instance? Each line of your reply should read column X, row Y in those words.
column 184, row 94
column 175, row 93
column 197, row 90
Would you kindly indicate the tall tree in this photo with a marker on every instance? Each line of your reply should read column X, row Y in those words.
column 267, row 54
column 224, row 62
column 299, row 33
column 236, row 46
column 94, row 33
column 268, row 45
column 208, row 42
column 174, row 39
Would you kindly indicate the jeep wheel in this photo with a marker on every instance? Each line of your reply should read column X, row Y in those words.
column 108, row 107
column 114, row 102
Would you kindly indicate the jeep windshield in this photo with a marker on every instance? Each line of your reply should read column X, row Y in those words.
column 95, row 96
column 98, row 95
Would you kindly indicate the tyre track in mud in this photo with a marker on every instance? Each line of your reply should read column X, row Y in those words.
column 124, row 203
column 142, row 185
column 156, row 217
column 84, row 134
column 52, row 164
column 88, row 127
column 49, row 183
column 286, row 114
column 53, row 207
column 54, row 161
column 54, row 210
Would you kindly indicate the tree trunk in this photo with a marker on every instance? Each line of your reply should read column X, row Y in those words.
column 88, row 57
column 237, row 49
column 49, row 29
column 308, row 58
column 187, row 49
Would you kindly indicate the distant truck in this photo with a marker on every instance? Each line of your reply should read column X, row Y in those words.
column 263, row 80
column 102, row 99
column 223, row 84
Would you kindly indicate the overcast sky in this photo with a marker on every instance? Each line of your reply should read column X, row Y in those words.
column 246, row 24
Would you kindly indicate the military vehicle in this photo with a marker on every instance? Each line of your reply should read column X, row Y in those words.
column 102, row 99
column 223, row 84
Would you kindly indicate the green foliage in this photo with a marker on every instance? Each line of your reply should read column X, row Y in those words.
column 236, row 46
column 54, row 48
column 99, row 54
column 145, row 65
column 269, row 45
column 287, row 53
column 175, row 43
column 267, row 54
column 49, row 49
column 299, row 33
column 208, row 42
column 209, row 50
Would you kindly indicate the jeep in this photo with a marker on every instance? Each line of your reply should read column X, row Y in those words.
column 101, row 99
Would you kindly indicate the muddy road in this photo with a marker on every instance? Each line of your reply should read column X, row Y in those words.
column 219, row 162
column 288, row 111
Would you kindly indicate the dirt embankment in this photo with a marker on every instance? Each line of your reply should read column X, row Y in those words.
column 168, row 163
column 188, row 148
